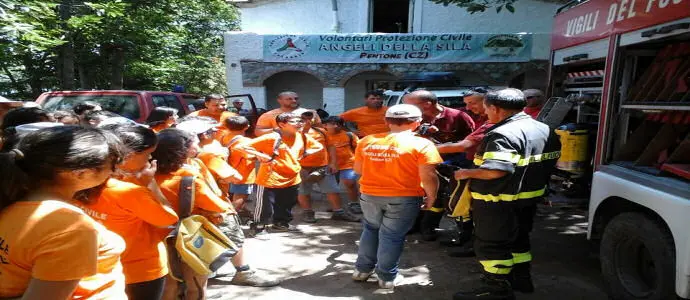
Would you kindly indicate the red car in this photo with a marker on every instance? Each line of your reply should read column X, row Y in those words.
column 135, row 105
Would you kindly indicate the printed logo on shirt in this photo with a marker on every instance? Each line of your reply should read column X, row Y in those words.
column 4, row 251
column 94, row 214
column 381, row 152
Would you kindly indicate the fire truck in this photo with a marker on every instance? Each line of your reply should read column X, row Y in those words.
column 621, row 71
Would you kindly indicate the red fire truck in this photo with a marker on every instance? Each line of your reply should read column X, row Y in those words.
column 623, row 66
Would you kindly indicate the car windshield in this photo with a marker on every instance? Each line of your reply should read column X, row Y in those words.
column 124, row 105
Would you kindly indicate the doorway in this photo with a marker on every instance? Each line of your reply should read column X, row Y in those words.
column 390, row 16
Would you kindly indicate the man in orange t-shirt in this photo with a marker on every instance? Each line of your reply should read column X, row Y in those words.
column 370, row 119
column 322, row 167
column 398, row 170
column 289, row 102
column 217, row 109
column 279, row 172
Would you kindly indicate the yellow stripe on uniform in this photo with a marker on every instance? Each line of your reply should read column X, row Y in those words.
column 519, row 258
column 508, row 197
column 515, row 158
column 435, row 209
column 539, row 158
column 500, row 267
column 505, row 156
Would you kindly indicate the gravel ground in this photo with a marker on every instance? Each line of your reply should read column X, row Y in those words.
column 315, row 261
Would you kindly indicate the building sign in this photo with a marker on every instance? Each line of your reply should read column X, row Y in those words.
column 597, row 19
column 398, row 48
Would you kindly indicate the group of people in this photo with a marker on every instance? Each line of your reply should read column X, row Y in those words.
column 87, row 197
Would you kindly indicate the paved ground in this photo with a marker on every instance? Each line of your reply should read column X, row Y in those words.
column 316, row 260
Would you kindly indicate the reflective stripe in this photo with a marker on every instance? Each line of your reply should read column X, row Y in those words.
column 435, row 209
column 500, row 267
column 508, row 197
column 517, row 159
column 519, row 258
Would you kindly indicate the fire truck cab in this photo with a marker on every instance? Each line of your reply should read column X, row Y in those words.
column 624, row 66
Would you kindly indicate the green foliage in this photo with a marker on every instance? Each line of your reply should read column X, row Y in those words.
column 475, row 6
column 145, row 44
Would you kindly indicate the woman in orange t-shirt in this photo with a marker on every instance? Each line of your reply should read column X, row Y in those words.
column 162, row 117
column 49, row 248
column 132, row 205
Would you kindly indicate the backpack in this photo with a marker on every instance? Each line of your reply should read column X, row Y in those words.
column 195, row 241
column 351, row 137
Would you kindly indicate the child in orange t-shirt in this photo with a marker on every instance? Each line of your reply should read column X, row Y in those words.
column 132, row 205
column 162, row 117
column 244, row 163
column 278, row 176
column 345, row 144
column 49, row 248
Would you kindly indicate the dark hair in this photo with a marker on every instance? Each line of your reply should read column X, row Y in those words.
column 335, row 120
column 210, row 97
column 85, row 107
column 99, row 115
column 236, row 123
column 401, row 121
column 41, row 154
column 477, row 90
column 24, row 115
column 509, row 99
column 61, row 114
column 425, row 95
column 135, row 138
column 376, row 93
column 173, row 146
column 286, row 116
column 160, row 115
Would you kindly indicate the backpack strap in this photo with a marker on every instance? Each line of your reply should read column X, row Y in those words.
column 186, row 196
column 350, row 136
column 232, row 140
column 276, row 146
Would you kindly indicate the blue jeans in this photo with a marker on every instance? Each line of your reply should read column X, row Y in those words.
column 386, row 222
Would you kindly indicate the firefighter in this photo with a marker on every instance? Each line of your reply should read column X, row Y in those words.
column 513, row 163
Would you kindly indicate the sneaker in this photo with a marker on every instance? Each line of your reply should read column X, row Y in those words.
column 389, row 285
column 253, row 278
column 280, row 227
column 344, row 215
column 361, row 276
column 309, row 216
column 227, row 270
column 355, row 208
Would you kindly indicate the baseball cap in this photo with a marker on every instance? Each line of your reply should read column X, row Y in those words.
column 403, row 111
column 196, row 126
column 532, row 93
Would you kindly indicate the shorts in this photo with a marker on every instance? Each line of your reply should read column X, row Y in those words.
column 348, row 174
column 231, row 227
column 327, row 184
column 242, row 189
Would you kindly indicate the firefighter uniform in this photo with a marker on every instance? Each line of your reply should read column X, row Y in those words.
column 503, row 209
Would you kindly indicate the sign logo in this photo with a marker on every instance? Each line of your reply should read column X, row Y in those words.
column 504, row 45
column 198, row 242
column 288, row 46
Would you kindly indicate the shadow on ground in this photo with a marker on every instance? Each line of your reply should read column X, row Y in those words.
column 316, row 260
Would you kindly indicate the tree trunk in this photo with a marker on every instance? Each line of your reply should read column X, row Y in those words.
column 85, row 77
column 118, row 69
column 66, row 50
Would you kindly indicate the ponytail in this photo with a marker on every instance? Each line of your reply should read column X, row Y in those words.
column 14, row 183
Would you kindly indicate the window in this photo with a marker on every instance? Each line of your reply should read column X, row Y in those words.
column 390, row 16
column 124, row 105
column 169, row 101
column 452, row 102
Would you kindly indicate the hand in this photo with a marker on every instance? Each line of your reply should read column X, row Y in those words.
column 432, row 129
column 147, row 174
column 332, row 169
column 428, row 202
column 461, row 174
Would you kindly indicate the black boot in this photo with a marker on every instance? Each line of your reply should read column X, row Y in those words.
column 521, row 279
column 464, row 235
column 491, row 287
column 428, row 225
column 467, row 250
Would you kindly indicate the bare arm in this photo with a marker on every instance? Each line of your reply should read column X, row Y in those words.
column 427, row 174
column 358, row 167
column 484, row 174
column 249, row 150
column 42, row 289
column 259, row 131
column 460, row 146
column 332, row 159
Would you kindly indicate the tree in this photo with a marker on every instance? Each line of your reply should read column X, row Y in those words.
column 474, row 6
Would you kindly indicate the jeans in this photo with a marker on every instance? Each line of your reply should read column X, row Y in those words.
column 386, row 222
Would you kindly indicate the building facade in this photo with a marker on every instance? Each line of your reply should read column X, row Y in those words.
column 333, row 51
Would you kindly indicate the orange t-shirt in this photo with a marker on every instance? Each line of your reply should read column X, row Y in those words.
column 206, row 198
column 390, row 163
column 344, row 148
column 134, row 213
column 369, row 121
column 283, row 170
column 215, row 157
column 243, row 163
column 318, row 159
column 268, row 119
column 55, row 241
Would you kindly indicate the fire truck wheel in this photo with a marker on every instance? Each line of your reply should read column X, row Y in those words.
column 638, row 259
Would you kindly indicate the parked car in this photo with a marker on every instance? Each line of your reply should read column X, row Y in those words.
column 135, row 105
